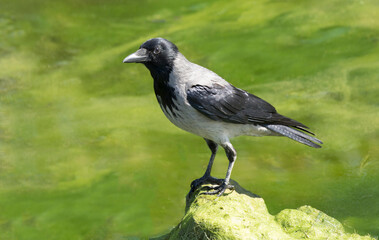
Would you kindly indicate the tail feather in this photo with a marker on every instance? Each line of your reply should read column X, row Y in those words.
column 295, row 135
column 304, row 129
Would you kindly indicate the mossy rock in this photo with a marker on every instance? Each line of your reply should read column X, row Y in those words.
column 240, row 214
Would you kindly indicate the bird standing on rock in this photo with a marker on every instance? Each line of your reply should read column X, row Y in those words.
column 199, row 101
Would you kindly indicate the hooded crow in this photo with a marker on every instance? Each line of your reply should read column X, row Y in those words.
column 199, row 101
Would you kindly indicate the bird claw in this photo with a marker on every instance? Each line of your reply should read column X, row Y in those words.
column 219, row 190
column 195, row 184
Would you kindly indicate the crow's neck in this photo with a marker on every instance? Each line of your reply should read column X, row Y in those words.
column 164, row 92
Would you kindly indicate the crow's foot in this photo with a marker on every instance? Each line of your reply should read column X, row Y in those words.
column 219, row 190
column 204, row 180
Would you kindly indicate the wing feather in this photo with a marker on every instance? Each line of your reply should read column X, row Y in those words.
column 231, row 104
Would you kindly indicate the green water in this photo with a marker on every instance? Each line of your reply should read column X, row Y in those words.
column 86, row 153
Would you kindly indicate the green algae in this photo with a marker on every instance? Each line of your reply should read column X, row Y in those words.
column 82, row 136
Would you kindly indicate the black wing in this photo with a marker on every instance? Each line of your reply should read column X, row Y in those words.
column 231, row 104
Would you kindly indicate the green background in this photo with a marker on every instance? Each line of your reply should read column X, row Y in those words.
column 86, row 153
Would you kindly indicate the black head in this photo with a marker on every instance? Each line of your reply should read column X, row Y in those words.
column 154, row 53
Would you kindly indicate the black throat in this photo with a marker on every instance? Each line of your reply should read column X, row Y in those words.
column 164, row 92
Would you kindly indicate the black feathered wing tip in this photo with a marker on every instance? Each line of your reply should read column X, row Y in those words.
column 295, row 134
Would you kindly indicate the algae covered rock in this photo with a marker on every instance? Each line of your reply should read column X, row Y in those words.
column 309, row 223
column 240, row 214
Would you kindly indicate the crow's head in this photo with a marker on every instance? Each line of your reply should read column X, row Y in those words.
column 154, row 53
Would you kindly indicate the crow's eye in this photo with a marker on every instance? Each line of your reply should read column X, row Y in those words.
column 157, row 50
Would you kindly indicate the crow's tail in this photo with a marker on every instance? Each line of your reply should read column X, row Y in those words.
column 295, row 135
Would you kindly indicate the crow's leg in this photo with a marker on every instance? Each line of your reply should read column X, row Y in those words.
column 232, row 155
column 207, row 178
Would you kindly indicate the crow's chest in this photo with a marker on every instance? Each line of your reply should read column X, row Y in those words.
column 167, row 97
column 170, row 90
column 173, row 102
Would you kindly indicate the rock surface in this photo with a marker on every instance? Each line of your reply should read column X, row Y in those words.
column 241, row 214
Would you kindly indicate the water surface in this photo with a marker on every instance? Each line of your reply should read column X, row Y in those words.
column 86, row 153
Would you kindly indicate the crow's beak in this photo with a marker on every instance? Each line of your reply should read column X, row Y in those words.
column 138, row 57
